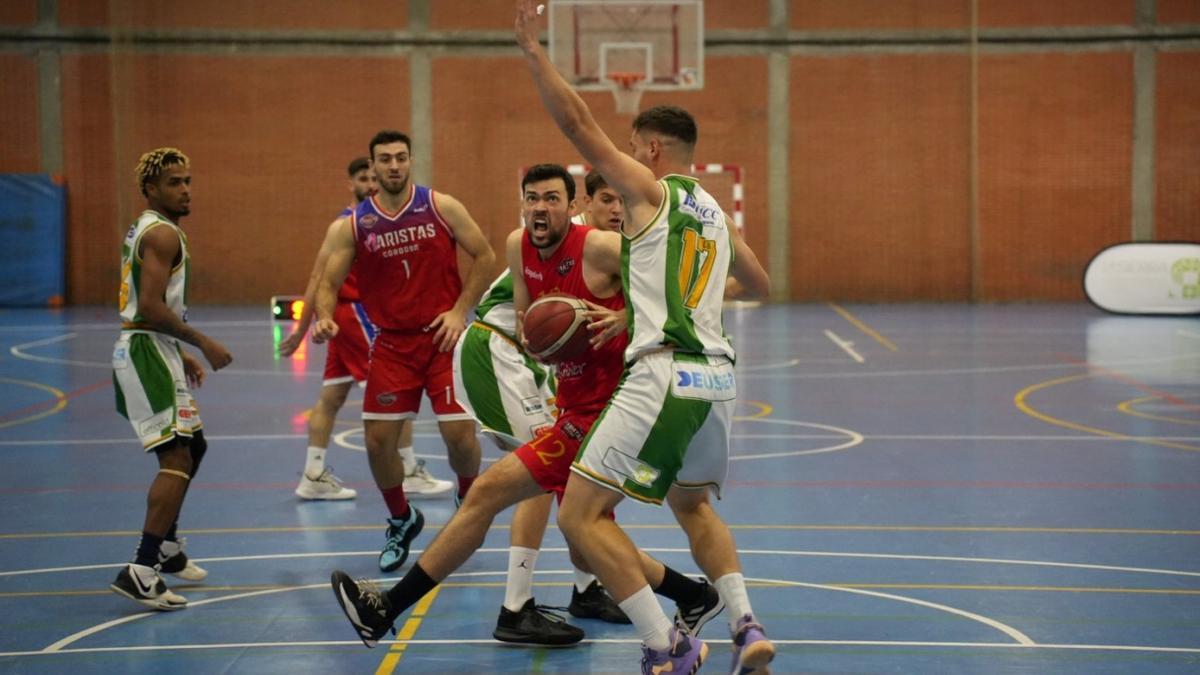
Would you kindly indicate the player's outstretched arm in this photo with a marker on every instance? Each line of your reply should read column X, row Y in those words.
column 746, row 269
column 160, row 247
column 337, row 265
column 291, row 343
column 449, row 325
column 625, row 174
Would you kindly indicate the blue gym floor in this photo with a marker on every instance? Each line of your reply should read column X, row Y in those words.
column 915, row 489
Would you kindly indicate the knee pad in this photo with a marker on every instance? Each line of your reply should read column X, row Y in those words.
column 197, row 448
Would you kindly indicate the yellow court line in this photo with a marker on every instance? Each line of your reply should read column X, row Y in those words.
column 650, row 526
column 392, row 659
column 845, row 314
column 58, row 394
column 764, row 410
column 1020, row 401
column 1127, row 408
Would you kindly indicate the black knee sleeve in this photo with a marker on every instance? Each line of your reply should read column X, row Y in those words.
column 197, row 448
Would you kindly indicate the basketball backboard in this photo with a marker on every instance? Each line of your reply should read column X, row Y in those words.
column 598, row 44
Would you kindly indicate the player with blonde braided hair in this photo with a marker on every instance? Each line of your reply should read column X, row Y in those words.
column 151, row 372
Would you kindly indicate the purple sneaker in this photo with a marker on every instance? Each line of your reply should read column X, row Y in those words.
column 752, row 651
column 685, row 656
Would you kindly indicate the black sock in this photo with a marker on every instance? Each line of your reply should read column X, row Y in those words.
column 679, row 588
column 147, row 550
column 415, row 584
column 171, row 532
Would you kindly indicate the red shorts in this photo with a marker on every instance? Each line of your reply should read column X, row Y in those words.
column 550, row 454
column 348, row 354
column 402, row 365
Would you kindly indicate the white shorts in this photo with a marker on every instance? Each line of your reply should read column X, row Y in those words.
column 151, row 389
column 510, row 394
column 667, row 424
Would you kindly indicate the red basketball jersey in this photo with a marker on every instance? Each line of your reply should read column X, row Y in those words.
column 406, row 262
column 585, row 384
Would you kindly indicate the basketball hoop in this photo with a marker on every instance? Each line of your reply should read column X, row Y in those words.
column 627, row 90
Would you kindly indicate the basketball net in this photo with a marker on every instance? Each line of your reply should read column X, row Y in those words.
column 627, row 90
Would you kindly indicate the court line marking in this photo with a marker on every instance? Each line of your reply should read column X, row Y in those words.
column 846, row 345
column 115, row 325
column 1020, row 401
column 19, row 352
column 1013, row 633
column 1128, row 408
column 790, row 363
column 964, row 371
column 875, row 335
column 1133, row 382
column 764, row 552
column 634, row 526
column 609, row 641
column 60, row 402
column 396, row 652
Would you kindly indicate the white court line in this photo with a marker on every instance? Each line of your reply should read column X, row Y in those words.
column 18, row 351
column 609, row 641
column 114, row 325
column 974, row 370
column 769, row 366
column 1017, row 635
column 846, row 345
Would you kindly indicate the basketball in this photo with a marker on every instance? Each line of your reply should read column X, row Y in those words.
column 556, row 328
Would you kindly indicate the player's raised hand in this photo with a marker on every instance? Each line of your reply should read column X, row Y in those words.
column 604, row 323
column 324, row 330
column 528, row 25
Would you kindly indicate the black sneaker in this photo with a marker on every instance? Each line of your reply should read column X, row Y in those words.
column 142, row 584
column 400, row 534
column 364, row 605
column 595, row 603
column 535, row 625
column 691, row 617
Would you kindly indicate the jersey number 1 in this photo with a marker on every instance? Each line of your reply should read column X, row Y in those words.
column 693, row 278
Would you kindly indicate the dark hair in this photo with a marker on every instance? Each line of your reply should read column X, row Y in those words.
column 540, row 172
column 668, row 120
column 388, row 136
column 594, row 182
column 357, row 165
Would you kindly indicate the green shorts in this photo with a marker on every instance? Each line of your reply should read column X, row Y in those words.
column 498, row 384
column 152, row 391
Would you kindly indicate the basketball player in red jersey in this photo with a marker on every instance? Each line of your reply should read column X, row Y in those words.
column 401, row 242
column 549, row 255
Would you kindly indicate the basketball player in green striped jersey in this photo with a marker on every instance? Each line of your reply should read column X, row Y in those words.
column 151, row 372
column 665, row 433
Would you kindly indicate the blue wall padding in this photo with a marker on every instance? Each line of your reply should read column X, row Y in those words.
column 33, row 224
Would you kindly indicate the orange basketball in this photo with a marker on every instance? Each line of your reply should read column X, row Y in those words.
column 556, row 328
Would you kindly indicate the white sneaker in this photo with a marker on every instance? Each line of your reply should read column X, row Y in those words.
column 419, row 483
column 142, row 584
column 172, row 560
column 325, row 486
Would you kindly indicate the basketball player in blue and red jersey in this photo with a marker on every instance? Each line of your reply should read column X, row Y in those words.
column 346, row 361
column 548, row 255
column 402, row 241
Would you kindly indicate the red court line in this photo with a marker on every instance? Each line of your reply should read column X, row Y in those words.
column 1135, row 383
column 41, row 405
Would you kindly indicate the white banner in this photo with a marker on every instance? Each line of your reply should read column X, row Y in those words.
column 1145, row 278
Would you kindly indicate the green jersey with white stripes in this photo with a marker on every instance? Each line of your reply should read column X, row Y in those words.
column 496, row 307
column 673, row 272
column 131, row 269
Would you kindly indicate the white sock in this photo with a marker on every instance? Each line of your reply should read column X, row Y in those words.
column 583, row 579
column 410, row 459
column 649, row 620
column 315, row 463
column 518, row 587
column 732, row 589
